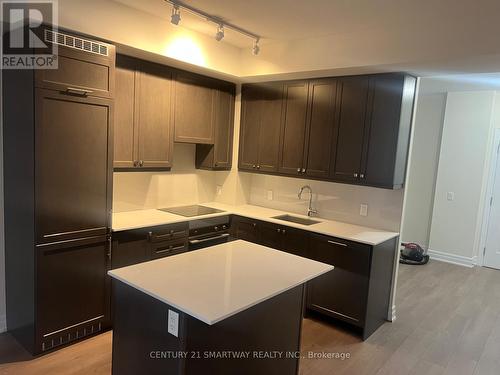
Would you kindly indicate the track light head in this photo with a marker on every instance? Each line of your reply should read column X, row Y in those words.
column 176, row 15
column 256, row 47
column 219, row 35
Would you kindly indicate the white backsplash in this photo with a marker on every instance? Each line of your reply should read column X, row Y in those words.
column 182, row 185
column 333, row 201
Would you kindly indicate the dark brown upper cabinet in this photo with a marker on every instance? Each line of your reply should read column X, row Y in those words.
column 387, row 143
column 219, row 155
column 349, row 132
column 260, row 127
column 293, row 128
column 143, row 135
column 320, row 127
column 352, row 129
column 194, row 109
column 81, row 73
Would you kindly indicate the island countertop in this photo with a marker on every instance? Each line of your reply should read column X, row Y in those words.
column 217, row 282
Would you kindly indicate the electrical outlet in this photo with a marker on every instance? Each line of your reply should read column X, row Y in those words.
column 219, row 190
column 269, row 195
column 363, row 210
column 450, row 195
column 173, row 323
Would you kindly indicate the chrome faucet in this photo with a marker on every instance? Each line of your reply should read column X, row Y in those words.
column 310, row 211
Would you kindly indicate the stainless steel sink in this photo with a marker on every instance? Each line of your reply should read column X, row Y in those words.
column 296, row 219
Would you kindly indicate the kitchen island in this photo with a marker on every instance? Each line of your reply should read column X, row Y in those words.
column 230, row 308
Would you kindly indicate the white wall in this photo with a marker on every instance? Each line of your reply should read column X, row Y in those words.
column 466, row 132
column 422, row 169
column 182, row 185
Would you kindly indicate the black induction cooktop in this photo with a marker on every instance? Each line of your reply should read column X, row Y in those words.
column 190, row 211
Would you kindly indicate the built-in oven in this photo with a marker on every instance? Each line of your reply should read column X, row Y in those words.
column 208, row 232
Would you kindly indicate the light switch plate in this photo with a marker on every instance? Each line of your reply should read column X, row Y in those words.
column 269, row 195
column 173, row 323
column 363, row 210
column 450, row 195
column 219, row 190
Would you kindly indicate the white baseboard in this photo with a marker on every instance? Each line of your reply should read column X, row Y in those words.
column 452, row 258
column 3, row 323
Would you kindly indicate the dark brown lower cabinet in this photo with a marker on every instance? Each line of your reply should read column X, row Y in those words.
column 342, row 292
column 72, row 291
column 357, row 291
column 140, row 245
column 245, row 228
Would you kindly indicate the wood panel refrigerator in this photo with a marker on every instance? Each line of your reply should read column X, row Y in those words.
column 58, row 182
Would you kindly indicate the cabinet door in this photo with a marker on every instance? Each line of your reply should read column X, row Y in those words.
column 193, row 110
column 293, row 128
column 295, row 241
column 153, row 116
column 350, row 129
column 129, row 247
column 269, row 130
column 124, row 127
column 71, row 291
column 72, row 166
column 270, row 235
column 224, row 124
column 245, row 229
column 321, row 123
column 219, row 155
column 342, row 292
column 81, row 72
column 250, row 128
column 387, row 144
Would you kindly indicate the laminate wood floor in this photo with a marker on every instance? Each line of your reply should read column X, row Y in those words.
column 448, row 324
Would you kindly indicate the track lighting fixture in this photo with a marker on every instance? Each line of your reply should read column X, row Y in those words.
column 177, row 5
column 176, row 15
column 256, row 47
column 219, row 35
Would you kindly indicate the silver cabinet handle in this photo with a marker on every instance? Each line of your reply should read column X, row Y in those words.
column 77, row 91
column 258, row 166
column 278, row 230
column 362, row 175
column 141, row 163
column 298, row 170
column 283, row 231
column 193, row 242
column 136, row 163
column 254, row 166
column 303, row 170
column 356, row 175
column 337, row 243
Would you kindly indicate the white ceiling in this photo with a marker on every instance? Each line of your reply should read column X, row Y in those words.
column 284, row 20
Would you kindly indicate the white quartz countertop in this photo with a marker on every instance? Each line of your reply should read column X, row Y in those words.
column 147, row 218
column 217, row 282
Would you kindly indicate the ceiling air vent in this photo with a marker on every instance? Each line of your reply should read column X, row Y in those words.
column 76, row 42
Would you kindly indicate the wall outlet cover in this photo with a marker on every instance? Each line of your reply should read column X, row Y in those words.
column 173, row 323
column 363, row 210
column 450, row 195
column 269, row 195
column 219, row 190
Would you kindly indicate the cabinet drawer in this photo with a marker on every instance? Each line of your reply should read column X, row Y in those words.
column 164, row 249
column 169, row 233
column 81, row 73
